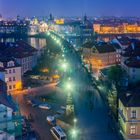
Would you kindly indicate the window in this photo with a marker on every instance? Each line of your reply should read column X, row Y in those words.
column 9, row 71
column 14, row 79
column 133, row 114
column 10, row 79
column 10, row 87
column 14, row 86
column 132, row 129
column 14, row 71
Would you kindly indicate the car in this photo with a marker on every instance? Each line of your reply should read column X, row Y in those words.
column 61, row 111
column 51, row 120
column 58, row 133
column 45, row 106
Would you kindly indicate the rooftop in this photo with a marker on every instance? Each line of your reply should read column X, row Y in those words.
column 133, row 62
column 124, row 40
column 105, row 48
column 18, row 50
column 131, row 98
column 7, row 100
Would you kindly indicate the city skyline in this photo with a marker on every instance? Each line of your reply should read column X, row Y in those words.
column 69, row 8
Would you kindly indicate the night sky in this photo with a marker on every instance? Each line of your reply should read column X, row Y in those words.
column 11, row 8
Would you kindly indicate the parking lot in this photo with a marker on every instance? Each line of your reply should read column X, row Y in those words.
column 39, row 115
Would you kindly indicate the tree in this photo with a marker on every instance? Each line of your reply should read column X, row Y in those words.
column 115, row 73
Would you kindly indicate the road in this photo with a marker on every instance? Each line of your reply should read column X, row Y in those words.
column 91, row 111
column 39, row 115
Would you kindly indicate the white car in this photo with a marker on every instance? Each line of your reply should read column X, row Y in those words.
column 45, row 106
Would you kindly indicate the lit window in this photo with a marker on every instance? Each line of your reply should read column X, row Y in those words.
column 132, row 129
column 133, row 114
column 14, row 86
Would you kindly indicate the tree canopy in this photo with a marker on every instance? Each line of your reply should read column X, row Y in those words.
column 115, row 74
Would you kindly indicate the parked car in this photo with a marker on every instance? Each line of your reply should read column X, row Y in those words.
column 45, row 106
column 58, row 133
column 61, row 111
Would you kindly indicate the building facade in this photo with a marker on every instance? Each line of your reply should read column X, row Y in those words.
column 129, row 115
column 101, row 55
column 12, row 74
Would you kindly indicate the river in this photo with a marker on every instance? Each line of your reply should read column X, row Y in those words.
column 37, row 43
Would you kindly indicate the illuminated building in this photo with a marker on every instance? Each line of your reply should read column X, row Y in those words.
column 130, row 61
column 59, row 21
column 129, row 114
column 100, row 55
column 12, row 74
column 43, row 27
column 14, row 27
column 25, row 55
column 116, row 29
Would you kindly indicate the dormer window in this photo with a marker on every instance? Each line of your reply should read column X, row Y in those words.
column 10, row 64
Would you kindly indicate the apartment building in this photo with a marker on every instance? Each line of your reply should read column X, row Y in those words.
column 100, row 55
column 129, row 114
column 11, row 73
column 22, row 52
column 130, row 61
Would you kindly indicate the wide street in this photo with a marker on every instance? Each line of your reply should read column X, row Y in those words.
column 91, row 111
column 39, row 116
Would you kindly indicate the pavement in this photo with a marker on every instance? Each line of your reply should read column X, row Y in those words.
column 39, row 115
column 93, row 122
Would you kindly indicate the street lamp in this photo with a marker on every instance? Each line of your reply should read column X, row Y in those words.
column 64, row 66
column 75, row 120
column 74, row 133
column 69, row 86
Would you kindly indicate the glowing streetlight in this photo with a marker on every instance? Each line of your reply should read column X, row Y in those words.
column 64, row 66
column 74, row 133
column 75, row 120
column 48, row 33
column 69, row 86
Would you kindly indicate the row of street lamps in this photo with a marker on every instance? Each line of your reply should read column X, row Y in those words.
column 68, row 85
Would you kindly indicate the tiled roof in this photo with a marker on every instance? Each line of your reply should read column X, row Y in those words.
column 105, row 48
column 133, row 50
column 7, row 100
column 124, row 40
column 88, row 45
column 133, row 62
column 131, row 98
column 5, row 60
column 18, row 50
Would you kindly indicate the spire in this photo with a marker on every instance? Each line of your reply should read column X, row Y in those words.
column 85, row 18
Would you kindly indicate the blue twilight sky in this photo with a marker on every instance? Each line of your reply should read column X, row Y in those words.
column 10, row 8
